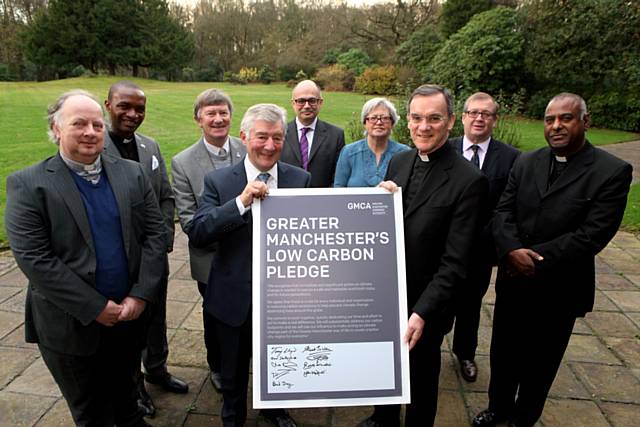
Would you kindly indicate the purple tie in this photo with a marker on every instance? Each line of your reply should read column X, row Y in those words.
column 304, row 148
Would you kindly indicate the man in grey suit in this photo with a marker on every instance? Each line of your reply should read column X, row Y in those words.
column 126, row 105
column 212, row 112
column 86, row 230
column 312, row 144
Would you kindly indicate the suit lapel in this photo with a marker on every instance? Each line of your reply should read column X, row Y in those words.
column 144, row 155
column 236, row 150
column 541, row 170
column 203, row 159
column 491, row 158
column 117, row 181
column 66, row 187
column 318, row 138
column 109, row 147
column 293, row 142
column 457, row 145
column 435, row 179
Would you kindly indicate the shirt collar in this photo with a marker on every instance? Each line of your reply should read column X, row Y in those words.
column 253, row 172
column 484, row 146
column 213, row 149
column 312, row 126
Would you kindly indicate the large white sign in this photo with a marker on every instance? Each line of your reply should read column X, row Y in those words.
column 329, row 299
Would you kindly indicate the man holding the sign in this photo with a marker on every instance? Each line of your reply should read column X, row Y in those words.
column 442, row 193
column 224, row 216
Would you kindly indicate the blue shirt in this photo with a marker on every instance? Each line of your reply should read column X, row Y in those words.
column 357, row 164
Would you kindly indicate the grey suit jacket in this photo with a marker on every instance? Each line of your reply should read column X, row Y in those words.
column 153, row 164
column 188, row 170
column 328, row 141
column 51, row 239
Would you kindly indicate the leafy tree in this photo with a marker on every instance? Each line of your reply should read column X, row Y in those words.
column 456, row 13
column 108, row 33
column 486, row 54
column 420, row 48
column 355, row 60
column 589, row 47
column 64, row 35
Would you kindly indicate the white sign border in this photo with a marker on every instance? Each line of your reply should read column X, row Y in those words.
column 405, row 395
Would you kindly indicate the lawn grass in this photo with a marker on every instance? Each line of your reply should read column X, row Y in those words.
column 631, row 219
column 169, row 118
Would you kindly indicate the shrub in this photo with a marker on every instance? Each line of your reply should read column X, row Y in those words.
column 301, row 75
column 212, row 73
column 234, row 78
column 616, row 110
column 266, row 75
column 188, row 75
column 378, row 80
column 354, row 129
column 248, row 74
column 335, row 77
column 355, row 60
column 78, row 71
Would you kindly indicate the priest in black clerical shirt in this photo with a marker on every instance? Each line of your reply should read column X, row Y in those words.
column 442, row 195
column 562, row 205
column 126, row 105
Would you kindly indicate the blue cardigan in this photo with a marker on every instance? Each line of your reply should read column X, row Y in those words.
column 357, row 164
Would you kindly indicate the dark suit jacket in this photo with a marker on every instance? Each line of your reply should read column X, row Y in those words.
column 328, row 140
column 568, row 224
column 228, row 294
column 51, row 239
column 153, row 164
column 439, row 227
column 496, row 166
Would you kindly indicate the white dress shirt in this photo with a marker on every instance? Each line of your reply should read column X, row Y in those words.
column 252, row 174
column 467, row 152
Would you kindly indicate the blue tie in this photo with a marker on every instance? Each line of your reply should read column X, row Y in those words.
column 264, row 177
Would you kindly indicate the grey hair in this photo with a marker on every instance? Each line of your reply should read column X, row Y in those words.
column 430, row 90
column 270, row 113
column 481, row 96
column 54, row 113
column 582, row 105
column 374, row 103
column 211, row 97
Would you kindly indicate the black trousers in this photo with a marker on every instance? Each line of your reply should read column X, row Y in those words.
column 424, row 361
column 234, row 370
column 210, row 339
column 235, row 355
column 529, row 339
column 465, row 335
column 156, row 351
column 100, row 389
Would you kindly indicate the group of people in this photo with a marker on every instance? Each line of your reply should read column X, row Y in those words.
column 91, row 228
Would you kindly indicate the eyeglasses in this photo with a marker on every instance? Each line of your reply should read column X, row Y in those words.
column 375, row 119
column 433, row 119
column 484, row 114
column 311, row 101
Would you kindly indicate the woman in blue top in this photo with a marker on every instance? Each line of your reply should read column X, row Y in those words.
column 364, row 163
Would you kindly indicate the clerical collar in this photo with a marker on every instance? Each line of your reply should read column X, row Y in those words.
column 560, row 159
column 118, row 138
column 434, row 155
column 90, row 172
